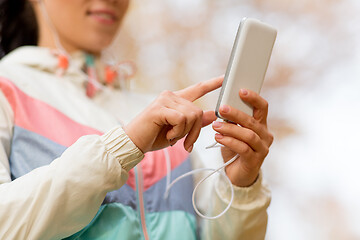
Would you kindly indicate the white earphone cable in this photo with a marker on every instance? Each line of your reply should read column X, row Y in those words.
column 168, row 186
column 53, row 30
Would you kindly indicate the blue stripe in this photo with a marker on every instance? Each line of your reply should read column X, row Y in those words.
column 125, row 195
column 116, row 220
column 180, row 194
column 179, row 197
column 30, row 150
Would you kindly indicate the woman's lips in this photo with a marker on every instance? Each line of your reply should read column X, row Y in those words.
column 103, row 16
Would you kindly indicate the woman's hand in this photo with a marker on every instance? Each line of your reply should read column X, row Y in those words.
column 249, row 137
column 172, row 116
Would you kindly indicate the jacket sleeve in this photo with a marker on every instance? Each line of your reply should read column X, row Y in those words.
column 57, row 200
column 246, row 219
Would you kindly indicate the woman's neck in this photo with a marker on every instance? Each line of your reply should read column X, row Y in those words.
column 48, row 40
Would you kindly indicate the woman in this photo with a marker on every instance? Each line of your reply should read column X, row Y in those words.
column 67, row 166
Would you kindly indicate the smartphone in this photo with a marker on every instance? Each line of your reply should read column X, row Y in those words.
column 248, row 63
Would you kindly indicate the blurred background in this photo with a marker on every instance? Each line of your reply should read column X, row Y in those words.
column 312, row 85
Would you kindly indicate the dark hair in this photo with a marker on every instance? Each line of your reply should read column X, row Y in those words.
column 18, row 25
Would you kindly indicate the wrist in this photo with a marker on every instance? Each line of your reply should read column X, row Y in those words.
column 249, row 182
column 244, row 181
column 131, row 133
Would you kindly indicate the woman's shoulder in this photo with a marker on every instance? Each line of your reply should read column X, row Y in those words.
column 27, row 55
column 26, row 60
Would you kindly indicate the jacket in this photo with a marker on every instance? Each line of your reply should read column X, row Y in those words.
column 68, row 170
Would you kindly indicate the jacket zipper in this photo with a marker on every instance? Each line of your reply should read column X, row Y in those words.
column 140, row 190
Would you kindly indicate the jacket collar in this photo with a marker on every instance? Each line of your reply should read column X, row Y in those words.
column 44, row 59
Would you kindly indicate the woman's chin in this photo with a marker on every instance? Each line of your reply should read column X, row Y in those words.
column 96, row 47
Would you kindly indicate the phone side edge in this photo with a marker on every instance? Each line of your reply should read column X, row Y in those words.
column 229, row 66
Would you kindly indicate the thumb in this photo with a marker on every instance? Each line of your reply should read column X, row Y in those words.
column 208, row 117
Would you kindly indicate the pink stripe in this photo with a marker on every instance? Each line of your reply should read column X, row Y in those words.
column 39, row 117
column 154, row 164
column 131, row 179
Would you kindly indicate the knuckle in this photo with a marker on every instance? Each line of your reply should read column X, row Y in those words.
column 193, row 115
column 158, row 98
column 251, row 137
column 266, row 151
column 181, row 117
column 166, row 93
column 271, row 138
column 156, row 104
column 266, row 105
column 228, row 141
column 245, row 149
column 161, row 109
column 251, row 122
column 190, row 116
column 201, row 86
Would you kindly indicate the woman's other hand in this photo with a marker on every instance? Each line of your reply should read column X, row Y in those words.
column 172, row 116
column 249, row 137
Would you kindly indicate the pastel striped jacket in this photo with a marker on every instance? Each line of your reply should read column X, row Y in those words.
column 68, row 170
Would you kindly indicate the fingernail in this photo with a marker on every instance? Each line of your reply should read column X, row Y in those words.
column 190, row 148
column 218, row 136
column 244, row 92
column 217, row 124
column 172, row 142
column 224, row 109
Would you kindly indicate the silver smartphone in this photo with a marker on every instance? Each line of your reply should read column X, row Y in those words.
column 248, row 63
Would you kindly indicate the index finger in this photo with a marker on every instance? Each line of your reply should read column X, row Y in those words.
column 200, row 89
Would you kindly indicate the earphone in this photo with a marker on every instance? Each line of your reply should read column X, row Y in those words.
column 62, row 55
